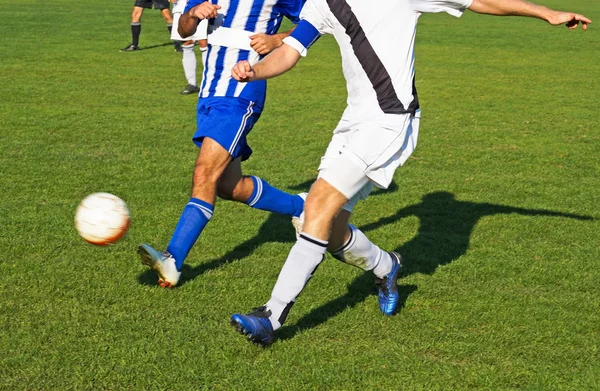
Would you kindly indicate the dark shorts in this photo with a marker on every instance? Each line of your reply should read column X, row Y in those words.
column 158, row 4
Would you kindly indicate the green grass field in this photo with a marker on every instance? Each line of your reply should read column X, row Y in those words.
column 496, row 214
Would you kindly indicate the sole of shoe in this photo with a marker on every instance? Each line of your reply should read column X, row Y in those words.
column 245, row 332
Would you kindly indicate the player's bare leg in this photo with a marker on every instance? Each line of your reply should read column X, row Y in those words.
column 212, row 160
column 136, row 29
column 323, row 205
column 256, row 192
column 167, row 16
column 233, row 185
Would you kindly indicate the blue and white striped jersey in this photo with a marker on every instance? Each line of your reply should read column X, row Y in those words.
column 229, row 42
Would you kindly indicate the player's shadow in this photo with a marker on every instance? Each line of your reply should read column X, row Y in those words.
column 160, row 45
column 445, row 229
column 276, row 229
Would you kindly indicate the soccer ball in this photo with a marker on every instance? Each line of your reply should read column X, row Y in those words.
column 102, row 218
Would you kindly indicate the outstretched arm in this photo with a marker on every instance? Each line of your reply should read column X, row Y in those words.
column 524, row 8
column 277, row 62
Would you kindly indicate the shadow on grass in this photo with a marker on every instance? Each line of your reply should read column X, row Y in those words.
column 160, row 45
column 445, row 229
column 443, row 236
column 276, row 229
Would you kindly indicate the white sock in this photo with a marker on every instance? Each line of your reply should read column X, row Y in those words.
column 203, row 52
column 302, row 261
column 359, row 251
column 189, row 63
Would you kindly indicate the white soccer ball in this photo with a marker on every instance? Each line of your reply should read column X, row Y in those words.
column 102, row 218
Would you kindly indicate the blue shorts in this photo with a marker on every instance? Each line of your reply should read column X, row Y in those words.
column 227, row 121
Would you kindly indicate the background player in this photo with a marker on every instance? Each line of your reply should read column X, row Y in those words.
column 379, row 127
column 136, row 21
column 227, row 111
column 189, row 57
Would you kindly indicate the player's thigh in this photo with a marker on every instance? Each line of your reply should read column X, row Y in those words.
column 227, row 121
column 211, row 162
column 338, row 170
column 136, row 14
column 379, row 150
column 166, row 14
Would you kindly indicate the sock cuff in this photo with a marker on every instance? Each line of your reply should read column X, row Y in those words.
column 348, row 242
column 203, row 49
column 189, row 46
column 256, row 192
column 169, row 24
column 206, row 208
column 313, row 243
column 136, row 23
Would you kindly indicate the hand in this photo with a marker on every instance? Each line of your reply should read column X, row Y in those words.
column 206, row 10
column 264, row 43
column 242, row 71
column 569, row 19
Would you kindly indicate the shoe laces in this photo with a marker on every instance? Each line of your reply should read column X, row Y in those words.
column 260, row 312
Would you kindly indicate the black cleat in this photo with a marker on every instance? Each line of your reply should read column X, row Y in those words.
column 130, row 48
column 190, row 89
column 178, row 46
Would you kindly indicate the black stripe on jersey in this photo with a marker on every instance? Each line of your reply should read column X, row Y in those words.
column 370, row 62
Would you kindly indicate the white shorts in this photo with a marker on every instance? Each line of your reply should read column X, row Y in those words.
column 200, row 34
column 363, row 155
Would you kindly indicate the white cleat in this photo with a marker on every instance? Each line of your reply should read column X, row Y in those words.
column 298, row 222
column 162, row 263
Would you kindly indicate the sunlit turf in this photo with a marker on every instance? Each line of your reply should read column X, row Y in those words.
column 496, row 214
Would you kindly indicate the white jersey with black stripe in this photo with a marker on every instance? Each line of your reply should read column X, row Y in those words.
column 376, row 40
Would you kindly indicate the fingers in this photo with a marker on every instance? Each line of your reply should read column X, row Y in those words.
column 242, row 71
column 205, row 10
column 259, row 47
column 580, row 18
column 572, row 20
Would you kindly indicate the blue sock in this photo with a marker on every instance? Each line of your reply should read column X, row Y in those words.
column 194, row 218
column 266, row 197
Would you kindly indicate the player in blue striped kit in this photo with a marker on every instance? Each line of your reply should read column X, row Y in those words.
column 227, row 110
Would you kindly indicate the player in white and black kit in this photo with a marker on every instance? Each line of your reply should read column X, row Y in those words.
column 377, row 133
column 189, row 57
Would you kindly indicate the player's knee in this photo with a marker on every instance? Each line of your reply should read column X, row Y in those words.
column 136, row 14
column 204, row 174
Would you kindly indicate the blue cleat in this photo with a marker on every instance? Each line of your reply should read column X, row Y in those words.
column 388, row 290
column 255, row 325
